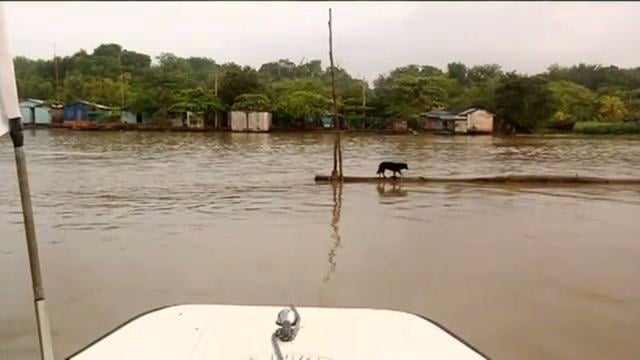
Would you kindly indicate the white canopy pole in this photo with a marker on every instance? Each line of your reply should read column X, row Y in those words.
column 10, row 120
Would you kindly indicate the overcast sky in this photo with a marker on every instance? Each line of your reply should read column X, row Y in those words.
column 370, row 38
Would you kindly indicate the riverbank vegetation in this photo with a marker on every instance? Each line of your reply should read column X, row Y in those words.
column 598, row 99
column 607, row 128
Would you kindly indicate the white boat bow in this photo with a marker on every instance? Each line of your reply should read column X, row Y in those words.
column 245, row 332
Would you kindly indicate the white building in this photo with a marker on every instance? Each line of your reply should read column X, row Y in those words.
column 250, row 121
column 479, row 121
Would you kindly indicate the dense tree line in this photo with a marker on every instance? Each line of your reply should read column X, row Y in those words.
column 299, row 94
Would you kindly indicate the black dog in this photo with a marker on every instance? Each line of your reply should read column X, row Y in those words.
column 391, row 166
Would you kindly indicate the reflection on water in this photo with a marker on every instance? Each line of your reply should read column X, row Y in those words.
column 132, row 221
column 390, row 190
column 335, row 234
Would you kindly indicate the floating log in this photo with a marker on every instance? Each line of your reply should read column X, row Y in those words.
column 508, row 179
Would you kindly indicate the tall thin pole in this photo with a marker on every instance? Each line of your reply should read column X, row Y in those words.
column 364, row 99
column 337, row 147
column 55, row 67
column 11, row 114
column 121, row 82
column 215, row 84
column 122, row 92
column 215, row 92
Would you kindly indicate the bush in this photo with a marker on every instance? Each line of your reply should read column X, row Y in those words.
column 607, row 128
column 354, row 121
column 104, row 117
column 415, row 123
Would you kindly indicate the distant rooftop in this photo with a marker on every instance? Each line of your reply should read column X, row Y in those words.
column 35, row 101
column 442, row 115
column 436, row 113
column 98, row 106
column 468, row 111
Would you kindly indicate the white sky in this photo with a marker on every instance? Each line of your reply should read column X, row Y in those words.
column 369, row 38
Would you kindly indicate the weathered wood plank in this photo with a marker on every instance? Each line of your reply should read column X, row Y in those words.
column 519, row 179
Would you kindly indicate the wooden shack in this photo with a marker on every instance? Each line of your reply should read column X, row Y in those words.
column 187, row 119
column 399, row 125
column 433, row 120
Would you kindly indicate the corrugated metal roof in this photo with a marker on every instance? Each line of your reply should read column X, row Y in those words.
column 472, row 110
column 468, row 111
column 436, row 113
column 36, row 102
column 98, row 106
column 443, row 115
column 453, row 117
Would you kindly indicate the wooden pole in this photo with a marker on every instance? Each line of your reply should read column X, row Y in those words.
column 215, row 83
column 337, row 147
column 122, row 92
column 11, row 115
column 364, row 99
column 121, row 84
column 55, row 67
column 215, row 92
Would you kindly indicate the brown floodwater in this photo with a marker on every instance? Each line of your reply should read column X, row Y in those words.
column 131, row 221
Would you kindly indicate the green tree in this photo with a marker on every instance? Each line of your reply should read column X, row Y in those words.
column 572, row 101
column 287, row 87
column 408, row 92
column 525, row 102
column 457, row 71
column 198, row 100
column 309, row 69
column 237, row 80
column 487, row 72
column 108, row 50
column 478, row 95
column 612, row 109
column 301, row 106
column 252, row 102
column 133, row 61
column 281, row 69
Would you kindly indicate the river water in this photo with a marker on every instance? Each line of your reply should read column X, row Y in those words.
column 131, row 221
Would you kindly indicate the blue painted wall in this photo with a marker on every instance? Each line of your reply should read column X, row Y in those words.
column 76, row 111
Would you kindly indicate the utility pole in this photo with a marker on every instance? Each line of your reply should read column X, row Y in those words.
column 55, row 67
column 337, row 148
column 364, row 99
column 215, row 84
column 215, row 92
column 121, row 86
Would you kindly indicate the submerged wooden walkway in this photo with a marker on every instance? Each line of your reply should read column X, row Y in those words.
column 506, row 179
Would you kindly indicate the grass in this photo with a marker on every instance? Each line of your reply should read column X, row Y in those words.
column 607, row 128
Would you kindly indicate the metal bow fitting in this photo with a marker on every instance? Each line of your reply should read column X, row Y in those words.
column 287, row 330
